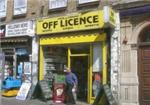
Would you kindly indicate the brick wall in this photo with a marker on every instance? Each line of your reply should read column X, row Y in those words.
column 39, row 8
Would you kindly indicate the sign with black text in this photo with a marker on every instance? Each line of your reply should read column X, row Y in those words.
column 109, row 95
column 19, row 29
column 77, row 21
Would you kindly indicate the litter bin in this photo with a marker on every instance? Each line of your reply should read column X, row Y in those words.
column 59, row 93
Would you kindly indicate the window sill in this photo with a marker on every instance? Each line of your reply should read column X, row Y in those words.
column 19, row 16
column 57, row 9
column 88, row 4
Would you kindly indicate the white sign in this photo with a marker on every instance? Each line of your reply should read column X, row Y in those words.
column 23, row 92
column 20, row 29
column 97, row 57
column 27, row 67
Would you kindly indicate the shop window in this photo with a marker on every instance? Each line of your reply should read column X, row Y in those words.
column 54, row 59
column 87, row 1
column 3, row 6
column 97, row 69
column 20, row 7
column 54, row 4
column 97, row 57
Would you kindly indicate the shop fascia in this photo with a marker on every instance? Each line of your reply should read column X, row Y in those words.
column 77, row 21
column 20, row 29
column 70, row 22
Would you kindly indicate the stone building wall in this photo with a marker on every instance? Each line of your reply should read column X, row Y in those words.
column 115, row 60
column 129, row 36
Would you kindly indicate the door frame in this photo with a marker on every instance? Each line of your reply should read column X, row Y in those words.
column 89, row 78
column 91, row 99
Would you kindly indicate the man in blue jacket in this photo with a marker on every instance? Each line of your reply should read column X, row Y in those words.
column 71, row 83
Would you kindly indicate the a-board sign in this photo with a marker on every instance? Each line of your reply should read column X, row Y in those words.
column 105, row 90
column 109, row 95
column 23, row 92
column 46, row 92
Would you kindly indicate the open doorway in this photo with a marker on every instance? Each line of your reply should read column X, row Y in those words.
column 79, row 66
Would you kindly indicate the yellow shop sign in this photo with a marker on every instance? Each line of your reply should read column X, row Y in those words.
column 81, row 21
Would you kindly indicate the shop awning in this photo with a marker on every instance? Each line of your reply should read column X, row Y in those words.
column 14, row 39
column 80, row 38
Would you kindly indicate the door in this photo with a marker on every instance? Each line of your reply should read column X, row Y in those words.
column 79, row 66
column 79, row 62
column 144, row 75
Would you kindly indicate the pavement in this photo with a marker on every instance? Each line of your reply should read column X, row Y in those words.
column 14, row 101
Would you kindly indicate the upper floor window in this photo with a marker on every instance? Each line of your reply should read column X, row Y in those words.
column 86, row 1
column 20, row 7
column 3, row 6
column 53, row 4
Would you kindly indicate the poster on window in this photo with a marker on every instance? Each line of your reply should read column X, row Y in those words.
column 27, row 67
column 97, row 57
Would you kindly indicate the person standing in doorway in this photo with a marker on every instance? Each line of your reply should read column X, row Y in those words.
column 97, row 83
column 71, row 84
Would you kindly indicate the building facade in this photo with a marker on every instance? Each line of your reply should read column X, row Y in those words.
column 17, row 36
column 77, row 35
column 134, row 72
column 82, row 34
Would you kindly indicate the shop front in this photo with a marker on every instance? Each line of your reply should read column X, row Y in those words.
column 80, row 42
column 16, row 44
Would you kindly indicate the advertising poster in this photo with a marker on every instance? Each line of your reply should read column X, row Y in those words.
column 27, row 68
column 2, row 31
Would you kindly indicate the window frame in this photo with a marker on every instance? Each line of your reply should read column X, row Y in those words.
column 19, row 8
column 57, row 7
column 3, row 12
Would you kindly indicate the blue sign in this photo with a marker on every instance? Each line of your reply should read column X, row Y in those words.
column 21, row 51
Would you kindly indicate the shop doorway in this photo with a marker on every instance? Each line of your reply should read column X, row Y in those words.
column 79, row 66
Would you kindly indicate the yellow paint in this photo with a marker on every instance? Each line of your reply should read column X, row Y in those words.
column 89, row 90
column 41, row 74
column 112, row 17
column 82, row 38
column 73, row 39
column 104, row 57
column 90, row 99
column 75, row 55
column 73, row 22
column 104, row 73
column 10, row 93
column 90, row 75
column 69, row 53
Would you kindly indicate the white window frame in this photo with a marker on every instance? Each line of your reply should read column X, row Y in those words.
column 86, row 1
column 54, row 4
column 18, row 10
column 3, row 11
